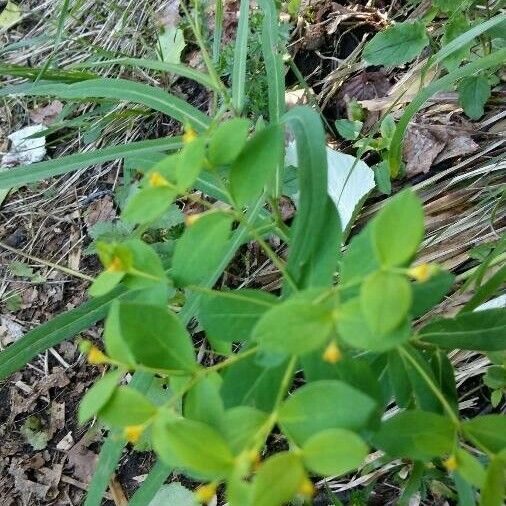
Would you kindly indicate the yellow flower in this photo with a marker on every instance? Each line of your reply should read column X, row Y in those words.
column 205, row 493
column 451, row 463
column 115, row 265
column 332, row 353
column 156, row 180
column 421, row 272
column 96, row 357
column 189, row 135
column 133, row 433
column 306, row 488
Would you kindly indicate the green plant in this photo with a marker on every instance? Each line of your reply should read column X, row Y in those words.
column 342, row 323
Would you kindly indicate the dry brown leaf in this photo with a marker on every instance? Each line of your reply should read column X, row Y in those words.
column 100, row 210
column 47, row 114
column 82, row 460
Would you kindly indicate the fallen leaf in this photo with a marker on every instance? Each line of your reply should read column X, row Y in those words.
column 10, row 331
column 457, row 146
column 421, row 147
column 47, row 114
column 99, row 210
column 83, row 461
column 24, row 150
column 10, row 16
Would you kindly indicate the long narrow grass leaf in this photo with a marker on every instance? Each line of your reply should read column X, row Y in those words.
column 151, row 485
column 273, row 61
column 394, row 156
column 171, row 68
column 53, row 332
column 218, row 30
column 465, row 38
column 117, row 89
column 112, row 449
column 31, row 73
column 43, row 170
column 240, row 58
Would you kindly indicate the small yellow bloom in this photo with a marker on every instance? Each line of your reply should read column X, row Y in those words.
column 332, row 353
column 191, row 219
column 421, row 272
column 133, row 433
column 306, row 488
column 156, row 180
column 189, row 135
column 205, row 493
column 115, row 265
column 96, row 357
column 451, row 463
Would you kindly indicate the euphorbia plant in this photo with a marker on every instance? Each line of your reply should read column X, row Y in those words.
column 318, row 362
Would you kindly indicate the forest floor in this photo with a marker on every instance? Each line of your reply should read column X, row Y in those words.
column 455, row 165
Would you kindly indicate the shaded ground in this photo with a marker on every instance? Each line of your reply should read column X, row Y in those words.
column 45, row 458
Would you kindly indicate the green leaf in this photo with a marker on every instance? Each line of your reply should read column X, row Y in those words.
column 249, row 383
column 495, row 377
column 240, row 58
column 431, row 292
column 347, row 129
column 487, row 289
column 171, row 44
column 228, row 141
column 98, row 395
column 60, row 328
column 295, row 327
column 231, row 315
column 456, row 26
column 105, row 282
column 479, row 331
column 148, row 204
column 152, row 485
column 333, row 452
column 240, row 425
column 126, row 407
column 382, row 177
column 200, row 248
column 385, row 299
column 163, row 344
column 398, row 229
column 397, row 44
column 488, row 430
column 312, row 214
column 399, row 379
column 494, row 488
column 190, row 163
column 277, row 480
column 256, row 164
column 417, row 435
column 174, row 494
column 354, row 329
column 360, row 258
column 473, row 95
column 203, row 402
column 194, row 445
column 387, row 127
column 324, row 405
column 470, row 468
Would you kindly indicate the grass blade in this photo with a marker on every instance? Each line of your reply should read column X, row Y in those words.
column 43, row 170
column 218, row 30
column 464, row 39
column 394, row 156
column 53, row 332
column 117, row 89
column 312, row 173
column 64, row 76
column 171, row 68
column 273, row 61
column 111, row 450
column 155, row 479
column 240, row 58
